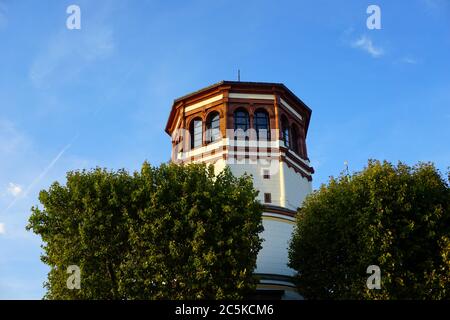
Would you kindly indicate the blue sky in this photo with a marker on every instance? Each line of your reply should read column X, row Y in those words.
column 100, row 96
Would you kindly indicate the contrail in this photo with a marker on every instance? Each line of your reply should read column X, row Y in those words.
column 52, row 163
column 43, row 173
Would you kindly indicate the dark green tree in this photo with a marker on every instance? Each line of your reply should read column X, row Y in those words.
column 395, row 217
column 168, row 232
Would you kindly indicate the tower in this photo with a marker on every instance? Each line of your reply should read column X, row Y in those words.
column 260, row 129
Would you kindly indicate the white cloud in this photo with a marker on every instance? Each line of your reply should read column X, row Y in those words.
column 435, row 4
column 3, row 18
column 2, row 228
column 365, row 43
column 14, row 189
column 409, row 60
column 68, row 53
column 10, row 138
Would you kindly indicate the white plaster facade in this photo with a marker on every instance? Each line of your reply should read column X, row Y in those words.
column 288, row 189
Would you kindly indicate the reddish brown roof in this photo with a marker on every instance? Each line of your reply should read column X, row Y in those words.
column 239, row 85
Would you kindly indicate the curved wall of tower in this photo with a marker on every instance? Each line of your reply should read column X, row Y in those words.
column 277, row 162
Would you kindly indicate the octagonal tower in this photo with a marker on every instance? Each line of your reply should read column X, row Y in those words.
column 258, row 128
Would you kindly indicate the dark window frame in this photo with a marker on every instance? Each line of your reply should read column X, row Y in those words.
column 285, row 131
column 213, row 127
column 295, row 139
column 196, row 133
column 261, row 122
column 241, row 119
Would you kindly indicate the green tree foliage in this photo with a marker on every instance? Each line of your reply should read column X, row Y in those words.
column 168, row 232
column 396, row 217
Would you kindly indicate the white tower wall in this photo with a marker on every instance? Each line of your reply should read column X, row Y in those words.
column 288, row 167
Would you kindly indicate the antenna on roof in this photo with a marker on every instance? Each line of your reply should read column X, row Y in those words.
column 239, row 75
column 346, row 169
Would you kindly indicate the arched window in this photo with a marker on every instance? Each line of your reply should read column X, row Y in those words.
column 241, row 122
column 213, row 127
column 295, row 139
column 285, row 131
column 196, row 132
column 303, row 145
column 261, row 125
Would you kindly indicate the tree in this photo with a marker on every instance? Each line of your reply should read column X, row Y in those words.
column 395, row 217
column 168, row 232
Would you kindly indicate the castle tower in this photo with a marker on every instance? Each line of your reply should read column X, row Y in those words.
column 258, row 128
